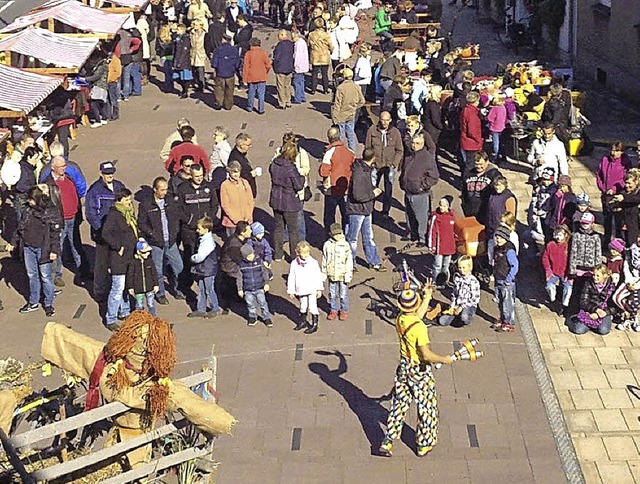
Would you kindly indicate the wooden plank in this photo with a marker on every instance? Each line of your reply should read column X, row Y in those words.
column 51, row 70
column 422, row 25
column 11, row 114
column 59, row 470
column 86, row 418
column 15, row 459
column 158, row 465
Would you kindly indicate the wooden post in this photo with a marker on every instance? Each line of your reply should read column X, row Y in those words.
column 51, row 22
column 64, row 455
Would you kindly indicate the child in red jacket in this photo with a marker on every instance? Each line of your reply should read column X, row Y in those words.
column 555, row 262
column 441, row 241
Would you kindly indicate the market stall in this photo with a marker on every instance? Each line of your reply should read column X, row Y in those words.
column 16, row 102
column 72, row 18
column 118, row 6
column 39, row 50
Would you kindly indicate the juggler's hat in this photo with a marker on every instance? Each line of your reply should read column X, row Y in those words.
column 408, row 301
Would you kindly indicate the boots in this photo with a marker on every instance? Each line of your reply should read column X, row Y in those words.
column 302, row 322
column 314, row 325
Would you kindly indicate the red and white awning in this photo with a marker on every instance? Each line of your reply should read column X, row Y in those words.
column 137, row 4
column 23, row 90
column 50, row 48
column 73, row 13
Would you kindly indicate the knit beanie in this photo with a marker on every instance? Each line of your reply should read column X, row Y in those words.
column 504, row 233
column 617, row 244
column 257, row 228
column 246, row 250
column 408, row 301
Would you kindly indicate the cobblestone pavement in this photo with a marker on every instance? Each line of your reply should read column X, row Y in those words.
column 311, row 407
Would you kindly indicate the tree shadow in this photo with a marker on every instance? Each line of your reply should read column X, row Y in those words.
column 323, row 107
column 13, row 273
column 371, row 414
column 382, row 303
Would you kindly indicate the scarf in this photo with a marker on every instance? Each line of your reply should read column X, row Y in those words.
column 383, row 133
column 129, row 215
column 301, row 262
column 634, row 252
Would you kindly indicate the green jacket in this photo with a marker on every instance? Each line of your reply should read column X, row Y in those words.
column 383, row 21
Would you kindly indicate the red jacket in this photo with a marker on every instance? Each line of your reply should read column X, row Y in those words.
column 440, row 236
column 336, row 166
column 471, row 129
column 555, row 258
column 256, row 65
column 187, row 148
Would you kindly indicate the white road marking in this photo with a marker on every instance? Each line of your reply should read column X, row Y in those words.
column 7, row 6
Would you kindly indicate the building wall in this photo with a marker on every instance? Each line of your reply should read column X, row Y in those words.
column 610, row 43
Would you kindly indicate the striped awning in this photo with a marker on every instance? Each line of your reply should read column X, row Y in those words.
column 73, row 13
column 137, row 4
column 50, row 48
column 23, row 90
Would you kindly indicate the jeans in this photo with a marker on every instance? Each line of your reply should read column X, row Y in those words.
column 302, row 227
column 576, row 327
column 171, row 254
column 418, row 208
column 68, row 234
column 206, row 291
column 385, row 84
column 324, row 73
column 113, row 88
column 567, row 289
column 495, row 138
column 167, row 69
column 291, row 219
column 118, row 301
column 388, row 174
column 149, row 298
column 331, row 203
column 339, row 296
column 40, row 276
column 259, row 88
column 440, row 266
column 506, row 302
column 362, row 223
column 348, row 134
column 612, row 223
column 99, row 110
column 255, row 299
column 466, row 316
column 131, row 80
column 298, row 88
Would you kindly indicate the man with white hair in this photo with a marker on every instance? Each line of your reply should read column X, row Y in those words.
column 348, row 100
column 175, row 138
column 283, row 68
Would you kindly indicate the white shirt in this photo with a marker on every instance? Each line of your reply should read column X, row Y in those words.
column 553, row 155
column 362, row 74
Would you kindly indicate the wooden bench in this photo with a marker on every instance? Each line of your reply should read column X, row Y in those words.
column 420, row 26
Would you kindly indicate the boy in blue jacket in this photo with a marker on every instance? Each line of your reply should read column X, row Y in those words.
column 204, row 269
column 252, row 285
column 505, row 270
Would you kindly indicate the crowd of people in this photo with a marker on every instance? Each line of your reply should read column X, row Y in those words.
column 198, row 225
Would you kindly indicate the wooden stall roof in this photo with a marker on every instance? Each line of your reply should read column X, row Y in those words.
column 50, row 48
column 72, row 13
column 22, row 91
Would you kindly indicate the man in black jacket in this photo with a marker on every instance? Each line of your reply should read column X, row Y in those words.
column 419, row 175
column 283, row 68
column 360, row 198
column 159, row 223
column 198, row 199
column 476, row 187
column 239, row 153
column 242, row 40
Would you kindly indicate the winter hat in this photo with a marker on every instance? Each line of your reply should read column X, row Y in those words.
column 503, row 232
column 107, row 167
column 587, row 218
column 257, row 228
column 564, row 180
column 335, row 229
column 408, row 300
column 583, row 199
column 143, row 246
column 617, row 244
column 246, row 250
column 446, row 199
column 547, row 174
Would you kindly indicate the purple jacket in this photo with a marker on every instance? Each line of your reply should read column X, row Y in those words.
column 611, row 172
column 286, row 182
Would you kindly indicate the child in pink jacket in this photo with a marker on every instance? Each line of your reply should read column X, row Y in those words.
column 497, row 119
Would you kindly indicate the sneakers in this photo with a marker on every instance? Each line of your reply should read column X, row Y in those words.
column 57, row 292
column 332, row 315
column 49, row 311
column 213, row 314
column 268, row 323
column 113, row 327
column 58, row 282
column 625, row 325
column 28, row 308
column 180, row 296
column 507, row 328
column 197, row 314
column 385, row 449
column 96, row 124
column 422, row 451
column 252, row 321
column 343, row 315
column 379, row 268
column 162, row 300
column 496, row 325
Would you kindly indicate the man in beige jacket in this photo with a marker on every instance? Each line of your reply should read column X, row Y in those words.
column 348, row 100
